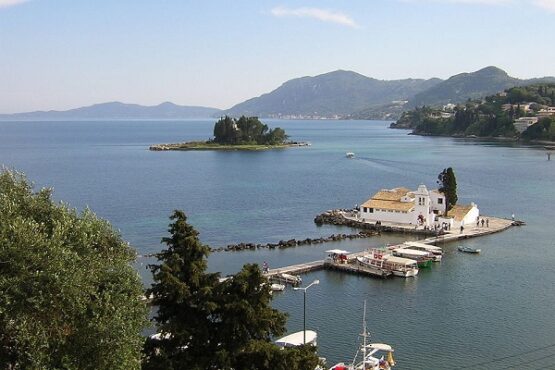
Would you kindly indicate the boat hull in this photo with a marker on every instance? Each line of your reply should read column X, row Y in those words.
column 405, row 274
column 425, row 264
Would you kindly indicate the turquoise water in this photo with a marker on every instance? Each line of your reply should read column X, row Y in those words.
column 485, row 310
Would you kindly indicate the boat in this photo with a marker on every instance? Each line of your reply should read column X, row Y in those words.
column 277, row 287
column 298, row 339
column 291, row 279
column 402, row 267
column 468, row 250
column 373, row 266
column 436, row 252
column 423, row 259
column 372, row 358
column 399, row 266
column 350, row 155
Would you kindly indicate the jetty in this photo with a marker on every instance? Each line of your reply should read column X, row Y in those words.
column 349, row 265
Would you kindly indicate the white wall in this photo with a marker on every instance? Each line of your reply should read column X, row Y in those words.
column 377, row 215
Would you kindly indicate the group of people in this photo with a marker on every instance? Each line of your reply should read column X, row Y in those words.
column 482, row 221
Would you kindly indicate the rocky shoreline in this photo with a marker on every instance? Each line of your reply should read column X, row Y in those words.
column 295, row 243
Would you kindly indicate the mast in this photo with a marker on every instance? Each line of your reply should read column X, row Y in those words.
column 364, row 335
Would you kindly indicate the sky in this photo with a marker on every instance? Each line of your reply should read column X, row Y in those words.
column 62, row 54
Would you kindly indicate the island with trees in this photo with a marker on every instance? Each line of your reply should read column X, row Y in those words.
column 524, row 113
column 244, row 133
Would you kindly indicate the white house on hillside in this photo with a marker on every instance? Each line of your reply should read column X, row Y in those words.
column 422, row 207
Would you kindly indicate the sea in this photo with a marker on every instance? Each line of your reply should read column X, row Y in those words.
column 495, row 310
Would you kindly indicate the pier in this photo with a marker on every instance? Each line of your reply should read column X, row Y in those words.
column 495, row 225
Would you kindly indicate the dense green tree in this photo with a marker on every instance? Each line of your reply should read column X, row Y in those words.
column 208, row 324
column 448, row 186
column 544, row 129
column 70, row 298
column 246, row 130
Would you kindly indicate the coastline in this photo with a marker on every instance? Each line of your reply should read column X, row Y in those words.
column 199, row 145
column 483, row 138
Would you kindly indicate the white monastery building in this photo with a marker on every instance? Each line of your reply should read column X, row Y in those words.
column 423, row 207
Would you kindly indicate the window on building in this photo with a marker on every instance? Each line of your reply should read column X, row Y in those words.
column 440, row 201
column 371, row 210
column 364, row 209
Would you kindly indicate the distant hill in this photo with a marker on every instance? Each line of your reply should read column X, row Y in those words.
column 347, row 94
column 333, row 95
column 464, row 86
column 117, row 110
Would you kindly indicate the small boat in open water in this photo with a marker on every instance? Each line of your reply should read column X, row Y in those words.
column 350, row 155
column 469, row 250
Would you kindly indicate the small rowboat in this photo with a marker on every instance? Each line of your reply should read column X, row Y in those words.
column 469, row 250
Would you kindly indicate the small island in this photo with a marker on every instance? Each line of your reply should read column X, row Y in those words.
column 245, row 133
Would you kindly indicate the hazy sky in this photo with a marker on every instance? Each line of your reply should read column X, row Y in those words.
column 60, row 54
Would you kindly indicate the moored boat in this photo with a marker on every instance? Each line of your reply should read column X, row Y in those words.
column 403, row 267
column 436, row 253
column 468, row 250
column 372, row 357
column 373, row 266
column 290, row 279
column 423, row 259
column 399, row 266
column 277, row 287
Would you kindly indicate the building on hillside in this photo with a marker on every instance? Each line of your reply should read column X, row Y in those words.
column 546, row 112
column 423, row 207
column 524, row 106
column 522, row 123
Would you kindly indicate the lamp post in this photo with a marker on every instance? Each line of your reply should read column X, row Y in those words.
column 315, row 282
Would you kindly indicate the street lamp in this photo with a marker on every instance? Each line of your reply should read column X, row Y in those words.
column 315, row 282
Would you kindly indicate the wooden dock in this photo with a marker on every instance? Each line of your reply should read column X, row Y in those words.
column 471, row 231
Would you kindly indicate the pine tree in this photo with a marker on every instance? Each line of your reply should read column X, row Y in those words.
column 207, row 324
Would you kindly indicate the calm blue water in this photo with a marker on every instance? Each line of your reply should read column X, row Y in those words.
column 467, row 310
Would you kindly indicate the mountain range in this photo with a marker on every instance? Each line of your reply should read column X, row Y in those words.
column 345, row 94
column 117, row 110
column 338, row 94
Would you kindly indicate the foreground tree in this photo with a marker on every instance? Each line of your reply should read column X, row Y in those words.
column 69, row 297
column 207, row 324
column 448, row 186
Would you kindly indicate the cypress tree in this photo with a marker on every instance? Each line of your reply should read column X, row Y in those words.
column 448, row 186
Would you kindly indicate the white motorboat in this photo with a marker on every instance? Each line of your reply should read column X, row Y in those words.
column 291, row 279
column 424, row 259
column 403, row 267
column 350, row 155
column 277, row 287
column 436, row 252
column 372, row 357
column 373, row 266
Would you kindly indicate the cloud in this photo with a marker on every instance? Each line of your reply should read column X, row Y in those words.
column 8, row 3
column 546, row 4
column 323, row 15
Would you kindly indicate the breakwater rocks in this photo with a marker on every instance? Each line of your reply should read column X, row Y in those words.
column 294, row 242
column 336, row 217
